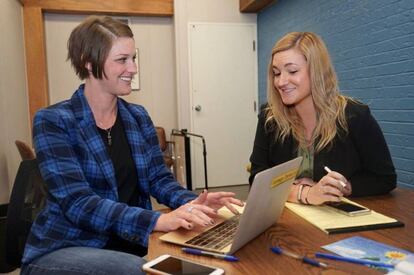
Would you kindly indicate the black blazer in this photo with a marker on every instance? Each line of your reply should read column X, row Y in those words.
column 362, row 155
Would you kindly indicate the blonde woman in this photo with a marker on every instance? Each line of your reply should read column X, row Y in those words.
column 307, row 116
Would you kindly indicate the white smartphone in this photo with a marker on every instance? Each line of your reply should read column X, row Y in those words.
column 169, row 265
column 348, row 208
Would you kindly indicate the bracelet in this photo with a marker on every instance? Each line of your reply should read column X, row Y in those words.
column 306, row 197
column 300, row 193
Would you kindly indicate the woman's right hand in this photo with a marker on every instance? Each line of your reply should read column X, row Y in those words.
column 186, row 216
column 328, row 189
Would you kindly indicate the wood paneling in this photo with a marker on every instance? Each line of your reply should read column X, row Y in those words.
column 125, row 7
column 254, row 6
column 33, row 10
column 36, row 69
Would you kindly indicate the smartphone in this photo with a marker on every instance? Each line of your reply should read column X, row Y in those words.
column 348, row 208
column 169, row 265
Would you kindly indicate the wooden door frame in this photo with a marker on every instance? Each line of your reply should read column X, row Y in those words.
column 34, row 34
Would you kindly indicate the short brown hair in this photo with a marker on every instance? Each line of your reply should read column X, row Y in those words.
column 91, row 41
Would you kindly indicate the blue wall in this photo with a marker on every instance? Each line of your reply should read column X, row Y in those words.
column 371, row 43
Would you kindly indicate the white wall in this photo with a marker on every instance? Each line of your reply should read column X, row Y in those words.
column 14, row 118
column 163, row 51
column 163, row 56
column 185, row 11
column 155, row 41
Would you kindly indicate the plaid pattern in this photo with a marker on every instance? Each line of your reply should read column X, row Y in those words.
column 82, row 207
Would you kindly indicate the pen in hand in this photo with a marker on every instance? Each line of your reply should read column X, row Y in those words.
column 304, row 259
column 229, row 258
column 329, row 171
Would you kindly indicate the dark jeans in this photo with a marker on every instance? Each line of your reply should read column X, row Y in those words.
column 85, row 260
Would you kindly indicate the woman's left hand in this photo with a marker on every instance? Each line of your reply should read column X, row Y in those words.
column 216, row 200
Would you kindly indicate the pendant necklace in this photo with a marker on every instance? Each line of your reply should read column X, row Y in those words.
column 108, row 132
column 108, row 136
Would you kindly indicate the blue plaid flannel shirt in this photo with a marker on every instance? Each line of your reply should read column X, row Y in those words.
column 82, row 206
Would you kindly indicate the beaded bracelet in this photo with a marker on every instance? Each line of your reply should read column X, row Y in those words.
column 303, row 201
column 300, row 193
column 306, row 197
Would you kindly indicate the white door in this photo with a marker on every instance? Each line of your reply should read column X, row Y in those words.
column 223, row 87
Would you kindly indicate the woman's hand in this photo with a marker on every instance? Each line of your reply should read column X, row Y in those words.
column 216, row 200
column 197, row 212
column 347, row 190
column 329, row 188
column 186, row 216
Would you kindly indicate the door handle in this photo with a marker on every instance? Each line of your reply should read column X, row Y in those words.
column 197, row 108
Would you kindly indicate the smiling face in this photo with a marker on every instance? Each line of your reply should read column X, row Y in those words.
column 291, row 77
column 119, row 67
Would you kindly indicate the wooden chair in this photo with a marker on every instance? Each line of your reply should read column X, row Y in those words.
column 26, row 152
column 165, row 147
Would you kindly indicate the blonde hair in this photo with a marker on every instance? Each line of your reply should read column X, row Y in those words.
column 329, row 104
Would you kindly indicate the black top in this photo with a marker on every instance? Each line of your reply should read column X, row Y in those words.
column 126, row 176
column 362, row 156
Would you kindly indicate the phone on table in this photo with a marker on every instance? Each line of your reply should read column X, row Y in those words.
column 348, row 208
column 169, row 265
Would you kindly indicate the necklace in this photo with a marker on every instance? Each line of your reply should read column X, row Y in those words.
column 108, row 136
column 108, row 130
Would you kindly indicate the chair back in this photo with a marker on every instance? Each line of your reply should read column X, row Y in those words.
column 25, row 151
column 161, row 138
column 28, row 197
column 165, row 146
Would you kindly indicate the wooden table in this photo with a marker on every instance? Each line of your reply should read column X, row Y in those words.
column 299, row 236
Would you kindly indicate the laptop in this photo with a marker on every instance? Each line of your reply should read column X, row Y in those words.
column 265, row 202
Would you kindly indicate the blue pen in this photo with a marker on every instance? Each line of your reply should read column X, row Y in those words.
column 225, row 257
column 352, row 260
column 304, row 259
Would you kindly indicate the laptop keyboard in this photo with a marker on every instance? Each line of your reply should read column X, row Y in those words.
column 217, row 237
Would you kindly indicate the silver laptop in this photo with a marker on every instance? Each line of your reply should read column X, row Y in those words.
column 265, row 202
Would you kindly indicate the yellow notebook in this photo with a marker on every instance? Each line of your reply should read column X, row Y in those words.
column 332, row 222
